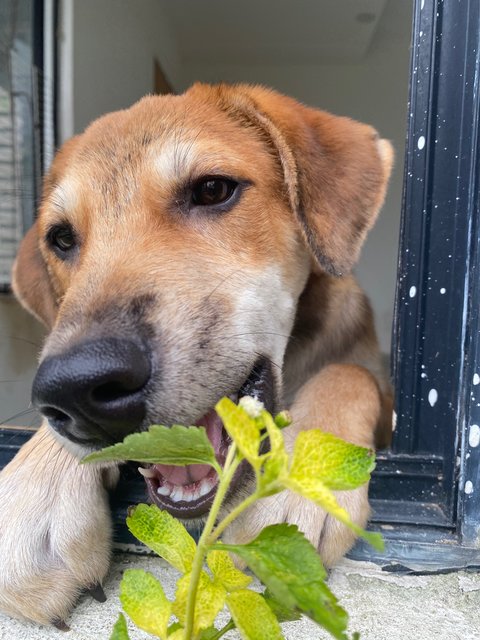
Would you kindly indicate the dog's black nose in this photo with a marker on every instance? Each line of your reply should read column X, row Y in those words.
column 95, row 391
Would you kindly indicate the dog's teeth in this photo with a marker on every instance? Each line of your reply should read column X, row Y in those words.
column 146, row 473
column 177, row 494
column 204, row 488
column 164, row 490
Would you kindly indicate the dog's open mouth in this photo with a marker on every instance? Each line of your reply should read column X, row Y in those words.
column 188, row 492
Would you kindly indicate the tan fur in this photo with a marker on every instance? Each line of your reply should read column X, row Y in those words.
column 261, row 279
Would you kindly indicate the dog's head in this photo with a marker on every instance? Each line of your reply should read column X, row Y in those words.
column 173, row 242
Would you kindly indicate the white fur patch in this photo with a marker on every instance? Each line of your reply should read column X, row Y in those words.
column 65, row 196
column 264, row 313
column 176, row 158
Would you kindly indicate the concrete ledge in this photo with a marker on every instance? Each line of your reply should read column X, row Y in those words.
column 382, row 606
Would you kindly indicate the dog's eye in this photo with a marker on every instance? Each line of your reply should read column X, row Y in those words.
column 62, row 239
column 211, row 191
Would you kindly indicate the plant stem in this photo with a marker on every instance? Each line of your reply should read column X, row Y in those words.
column 210, row 535
column 231, row 465
column 221, row 632
column 231, row 516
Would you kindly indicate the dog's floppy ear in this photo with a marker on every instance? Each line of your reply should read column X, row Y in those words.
column 30, row 280
column 336, row 171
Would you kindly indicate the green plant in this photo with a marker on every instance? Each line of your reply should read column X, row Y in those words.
column 280, row 556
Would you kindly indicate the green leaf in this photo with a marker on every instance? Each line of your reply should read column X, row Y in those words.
column 224, row 570
column 244, row 430
column 289, row 566
column 282, row 613
column 339, row 465
column 164, row 534
column 175, row 626
column 175, row 445
column 209, row 602
column 276, row 460
column 120, row 631
column 321, row 462
column 253, row 617
column 143, row 599
column 318, row 493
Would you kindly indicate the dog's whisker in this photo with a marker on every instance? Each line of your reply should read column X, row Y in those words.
column 20, row 414
column 20, row 339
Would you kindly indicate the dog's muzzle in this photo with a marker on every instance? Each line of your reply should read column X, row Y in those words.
column 95, row 392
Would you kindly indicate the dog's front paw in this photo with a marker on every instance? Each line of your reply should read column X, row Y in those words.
column 55, row 532
column 332, row 538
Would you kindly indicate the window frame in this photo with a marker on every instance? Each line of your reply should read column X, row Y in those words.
column 418, row 490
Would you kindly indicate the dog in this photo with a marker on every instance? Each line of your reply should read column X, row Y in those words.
column 188, row 248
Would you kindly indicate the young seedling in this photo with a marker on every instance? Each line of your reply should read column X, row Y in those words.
column 280, row 556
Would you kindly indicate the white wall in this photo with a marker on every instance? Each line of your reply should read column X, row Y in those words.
column 114, row 46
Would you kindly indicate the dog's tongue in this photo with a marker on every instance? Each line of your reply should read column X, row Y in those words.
column 194, row 472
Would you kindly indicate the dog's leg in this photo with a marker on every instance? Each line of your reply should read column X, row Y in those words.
column 344, row 400
column 55, row 530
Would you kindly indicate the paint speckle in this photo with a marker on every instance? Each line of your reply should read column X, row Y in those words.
column 420, row 34
column 423, row 374
column 432, row 397
column 476, row 378
column 443, row 291
column 413, row 292
column 422, row 5
column 421, row 142
column 394, row 420
column 474, row 435
column 468, row 487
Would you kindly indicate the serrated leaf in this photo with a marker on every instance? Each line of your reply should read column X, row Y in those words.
column 164, row 534
column 120, row 631
column 144, row 600
column 175, row 445
column 253, row 617
column 244, row 430
column 282, row 613
column 339, row 465
column 318, row 493
column 289, row 566
column 209, row 602
column 276, row 460
column 224, row 570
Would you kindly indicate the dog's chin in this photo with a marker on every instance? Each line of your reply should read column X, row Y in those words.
column 188, row 492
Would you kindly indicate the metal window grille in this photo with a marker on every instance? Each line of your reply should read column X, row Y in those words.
column 21, row 97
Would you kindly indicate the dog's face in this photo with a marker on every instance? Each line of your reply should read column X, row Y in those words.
column 172, row 245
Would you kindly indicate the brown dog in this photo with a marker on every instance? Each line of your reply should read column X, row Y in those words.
column 188, row 248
